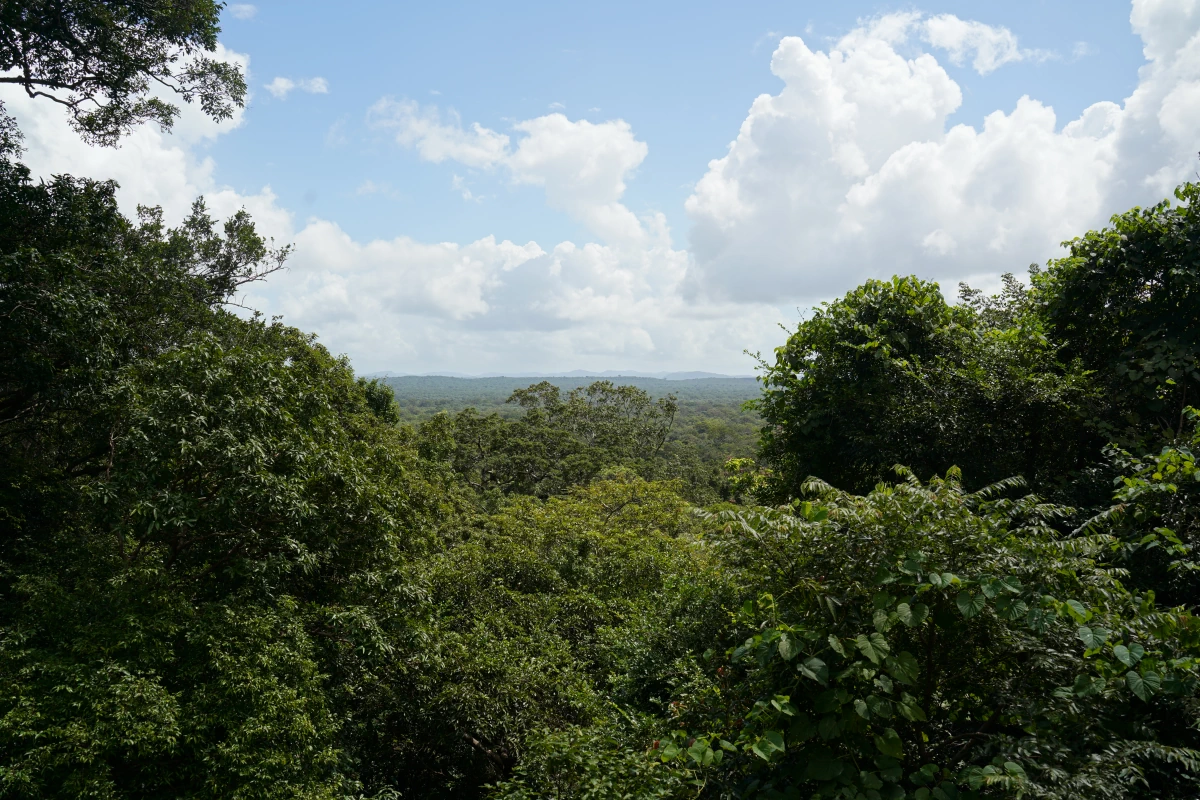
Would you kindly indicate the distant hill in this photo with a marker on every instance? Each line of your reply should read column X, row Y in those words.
column 575, row 373
column 421, row 396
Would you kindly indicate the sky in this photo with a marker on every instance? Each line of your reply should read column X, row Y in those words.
column 660, row 186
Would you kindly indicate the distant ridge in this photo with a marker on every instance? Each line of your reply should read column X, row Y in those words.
column 575, row 373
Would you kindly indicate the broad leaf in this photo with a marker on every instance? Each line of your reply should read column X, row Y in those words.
column 1092, row 638
column 1144, row 686
column 903, row 667
column 815, row 669
column 889, row 743
column 823, row 766
column 789, row 648
column 873, row 646
column 1078, row 611
column 970, row 604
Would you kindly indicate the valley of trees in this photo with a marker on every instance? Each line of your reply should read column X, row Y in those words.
column 956, row 559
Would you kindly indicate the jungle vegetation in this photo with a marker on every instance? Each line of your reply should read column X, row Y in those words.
column 957, row 562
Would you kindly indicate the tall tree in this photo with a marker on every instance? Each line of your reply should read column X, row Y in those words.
column 1126, row 303
column 893, row 374
column 104, row 60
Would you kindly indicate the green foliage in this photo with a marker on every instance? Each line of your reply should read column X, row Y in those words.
column 1126, row 303
column 102, row 58
column 892, row 374
column 587, row 765
column 923, row 640
column 228, row 572
column 558, row 442
column 1158, row 519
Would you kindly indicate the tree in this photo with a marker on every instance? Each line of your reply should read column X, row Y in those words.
column 892, row 374
column 558, row 442
column 922, row 641
column 1126, row 304
column 103, row 60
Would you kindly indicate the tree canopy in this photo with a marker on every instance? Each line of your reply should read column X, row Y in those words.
column 107, row 61
column 229, row 569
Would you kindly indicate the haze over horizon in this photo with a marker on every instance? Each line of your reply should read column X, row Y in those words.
column 657, row 196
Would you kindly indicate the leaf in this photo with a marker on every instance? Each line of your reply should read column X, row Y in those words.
column 903, row 667
column 873, row 646
column 1141, row 685
column 830, row 727
column 1085, row 686
column 970, row 604
column 1078, row 611
column 803, row 727
column 770, row 743
column 789, row 648
column 836, row 644
column 860, row 707
column 879, row 706
column 1121, row 653
column 699, row 751
column 1092, row 638
column 905, row 614
column 1011, row 584
column 1011, row 608
column 1135, row 651
column 815, row 669
column 823, row 766
column 910, row 710
column 889, row 743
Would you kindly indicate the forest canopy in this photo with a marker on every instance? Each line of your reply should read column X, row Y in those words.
column 956, row 561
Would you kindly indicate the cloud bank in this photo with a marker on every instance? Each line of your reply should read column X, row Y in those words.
column 851, row 170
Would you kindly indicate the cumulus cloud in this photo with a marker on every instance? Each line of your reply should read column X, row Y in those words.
column 243, row 10
column 583, row 166
column 282, row 87
column 400, row 303
column 987, row 46
column 852, row 171
column 435, row 140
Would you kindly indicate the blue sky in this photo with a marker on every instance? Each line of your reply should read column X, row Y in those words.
column 681, row 74
column 479, row 187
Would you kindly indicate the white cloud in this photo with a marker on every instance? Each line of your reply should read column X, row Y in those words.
column 581, row 165
column 404, row 304
column 281, row 87
column 243, row 10
column 435, row 140
column 852, row 170
column 988, row 46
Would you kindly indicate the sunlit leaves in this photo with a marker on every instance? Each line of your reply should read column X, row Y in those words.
column 1093, row 638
